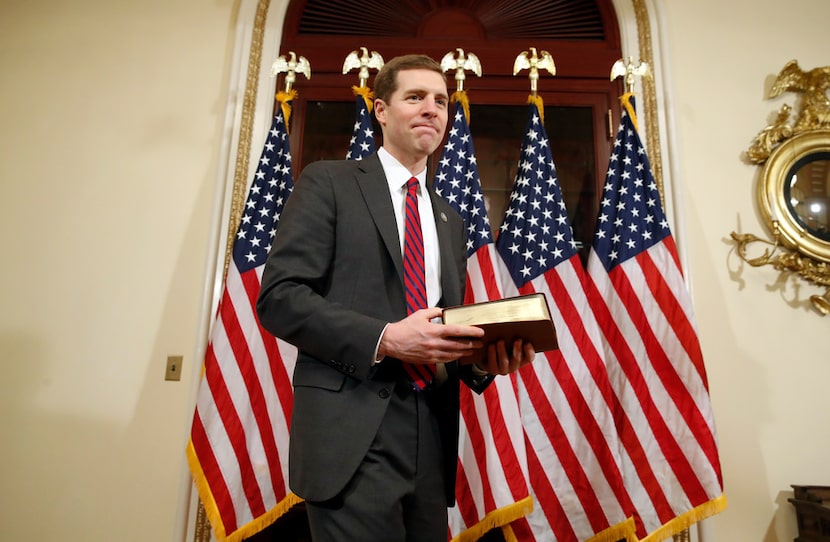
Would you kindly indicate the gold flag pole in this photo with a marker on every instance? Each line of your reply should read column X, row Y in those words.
column 534, row 63
column 291, row 66
column 460, row 64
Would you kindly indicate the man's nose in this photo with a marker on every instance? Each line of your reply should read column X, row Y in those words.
column 429, row 106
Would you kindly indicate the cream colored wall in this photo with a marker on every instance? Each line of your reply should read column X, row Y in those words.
column 111, row 117
column 765, row 348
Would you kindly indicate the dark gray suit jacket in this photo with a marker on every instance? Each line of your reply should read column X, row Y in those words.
column 333, row 280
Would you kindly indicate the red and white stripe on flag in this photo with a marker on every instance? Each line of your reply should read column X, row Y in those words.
column 572, row 445
column 491, row 486
column 670, row 461
column 238, row 448
column 669, row 449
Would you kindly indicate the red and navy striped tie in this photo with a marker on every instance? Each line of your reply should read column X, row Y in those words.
column 414, row 280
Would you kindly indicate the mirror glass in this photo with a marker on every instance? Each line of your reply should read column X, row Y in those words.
column 807, row 193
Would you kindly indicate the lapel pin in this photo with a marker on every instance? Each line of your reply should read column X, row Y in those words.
column 443, row 216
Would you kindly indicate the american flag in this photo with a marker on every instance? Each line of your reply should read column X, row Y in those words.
column 491, row 487
column 565, row 394
column 362, row 143
column 238, row 448
column 670, row 456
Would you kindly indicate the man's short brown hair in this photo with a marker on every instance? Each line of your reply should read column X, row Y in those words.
column 386, row 81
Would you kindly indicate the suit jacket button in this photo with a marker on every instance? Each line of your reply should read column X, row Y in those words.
column 351, row 369
column 384, row 393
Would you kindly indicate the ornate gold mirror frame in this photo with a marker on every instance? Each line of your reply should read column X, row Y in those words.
column 794, row 184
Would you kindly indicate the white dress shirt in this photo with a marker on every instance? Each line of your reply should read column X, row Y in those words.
column 397, row 176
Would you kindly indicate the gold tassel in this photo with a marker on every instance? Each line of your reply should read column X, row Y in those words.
column 460, row 96
column 625, row 101
column 285, row 99
column 368, row 96
column 540, row 105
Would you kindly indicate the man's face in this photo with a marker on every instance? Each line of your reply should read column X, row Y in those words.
column 415, row 117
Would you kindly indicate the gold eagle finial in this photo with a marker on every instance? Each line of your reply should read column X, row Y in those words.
column 291, row 66
column 534, row 63
column 363, row 62
column 460, row 64
column 628, row 71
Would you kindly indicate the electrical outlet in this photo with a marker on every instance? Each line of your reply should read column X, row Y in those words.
column 174, row 368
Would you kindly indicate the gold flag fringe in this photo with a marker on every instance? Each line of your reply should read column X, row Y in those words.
column 540, row 105
column 460, row 96
column 368, row 96
column 265, row 520
column 497, row 518
column 683, row 522
column 627, row 530
column 285, row 99
column 212, row 511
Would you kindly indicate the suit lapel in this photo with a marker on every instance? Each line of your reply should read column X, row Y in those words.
column 450, row 293
column 375, row 189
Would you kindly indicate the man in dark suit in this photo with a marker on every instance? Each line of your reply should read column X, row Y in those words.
column 373, row 455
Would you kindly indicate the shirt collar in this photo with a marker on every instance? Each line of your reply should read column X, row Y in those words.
column 396, row 174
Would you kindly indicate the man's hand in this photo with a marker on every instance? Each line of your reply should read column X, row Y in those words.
column 501, row 362
column 415, row 339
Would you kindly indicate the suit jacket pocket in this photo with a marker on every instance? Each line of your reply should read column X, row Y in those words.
column 315, row 374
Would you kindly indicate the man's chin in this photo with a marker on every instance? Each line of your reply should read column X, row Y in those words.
column 428, row 144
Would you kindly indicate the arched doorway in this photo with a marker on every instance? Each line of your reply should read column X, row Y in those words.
column 581, row 35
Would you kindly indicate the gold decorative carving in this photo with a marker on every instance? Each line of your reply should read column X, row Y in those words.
column 769, row 137
column 794, row 183
column 814, row 114
column 649, row 95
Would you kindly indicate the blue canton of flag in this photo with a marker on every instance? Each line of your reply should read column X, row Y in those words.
column 362, row 143
column 631, row 218
column 457, row 181
column 536, row 233
column 271, row 186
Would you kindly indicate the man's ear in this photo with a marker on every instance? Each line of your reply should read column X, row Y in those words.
column 380, row 111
